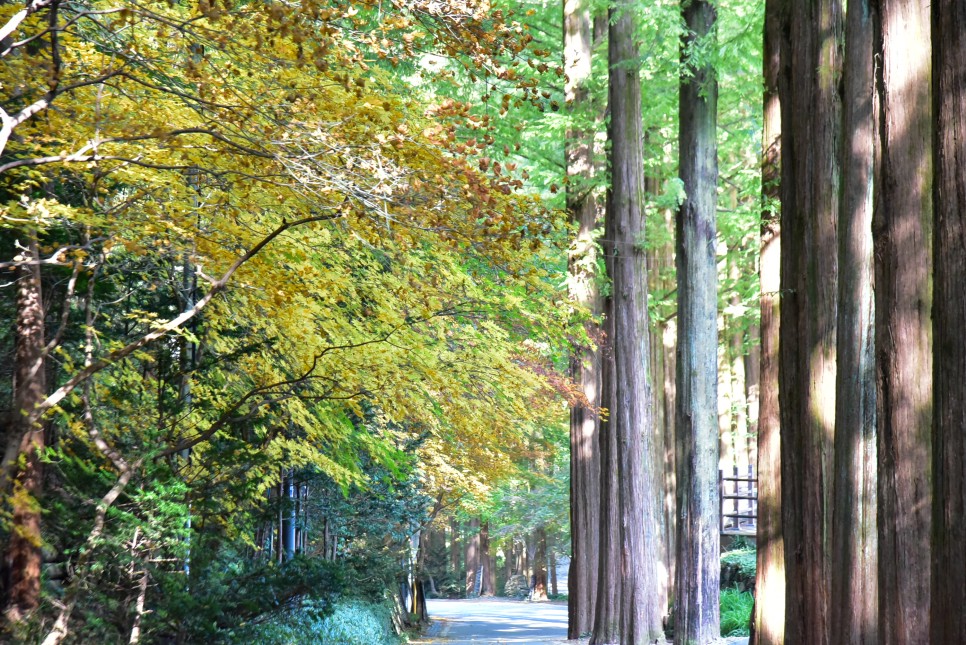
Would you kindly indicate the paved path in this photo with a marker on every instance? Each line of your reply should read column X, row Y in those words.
column 498, row 621
column 493, row 621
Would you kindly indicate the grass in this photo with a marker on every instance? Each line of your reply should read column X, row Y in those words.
column 736, row 609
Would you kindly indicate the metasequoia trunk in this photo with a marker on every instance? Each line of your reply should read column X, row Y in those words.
column 768, row 622
column 661, row 280
column 454, row 550
column 25, row 440
column 643, row 604
column 472, row 556
column 810, row 64
column 853, row 591
column 948, row 566
column 609, row 579
column 488, row 585
column 902, row 232
column 540, row 564
column 585, row 361
column 696, row 611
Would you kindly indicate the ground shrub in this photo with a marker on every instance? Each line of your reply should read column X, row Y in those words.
column 745, row 560
column 736, row 607
column 351, row 622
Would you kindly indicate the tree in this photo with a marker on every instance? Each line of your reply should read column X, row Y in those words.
column 642, row 603
column 696, row 611
column 948, row 566
column 585, row 361
column 769, row 617
column 811, row 122
column 853, row 593
column 902, row 229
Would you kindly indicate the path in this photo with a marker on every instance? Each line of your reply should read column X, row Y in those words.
column 498, row 621
column 493, row 621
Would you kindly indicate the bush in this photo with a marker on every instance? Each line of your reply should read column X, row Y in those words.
column 745, row 560
column 736, row 607
column 353, row 622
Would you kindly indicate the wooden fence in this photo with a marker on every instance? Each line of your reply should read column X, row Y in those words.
column 739, row 502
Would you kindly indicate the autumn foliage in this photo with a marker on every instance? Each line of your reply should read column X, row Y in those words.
column 260, row 252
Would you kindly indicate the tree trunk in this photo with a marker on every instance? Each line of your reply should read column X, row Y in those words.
column 540, row 564
column 853, row 592
column 768, row 621
column 696, row 611
column 26, row 442
column 488, row 586
column 811, row 122
column 643, row 604
column 903, row 293
column 948, row 566
column 661, row 280
column 472, row 556
column 585, row 361
column 552, row 565
column 454, row 551
column 608, row 595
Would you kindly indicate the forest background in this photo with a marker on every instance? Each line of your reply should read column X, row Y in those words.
column 287, row 301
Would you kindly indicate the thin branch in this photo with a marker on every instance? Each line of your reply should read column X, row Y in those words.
column 217, row 286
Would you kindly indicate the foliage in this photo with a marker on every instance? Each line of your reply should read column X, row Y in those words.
column 736, row 608
column 744, row 559
column 351, row 622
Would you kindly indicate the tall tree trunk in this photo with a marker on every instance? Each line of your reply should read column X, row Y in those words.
column 661, row 280
column 853, row 591
column 552, row 564
column 696, row 611
column 455, row 551
column 643, row 604
column 488, row 586
column 609, row 579
column 25, row 439
column 585, row 361
column 768, row 621
column 948, row 566
column 540, row 564
column 811, row 122
column 903, row 294
column 472, row 556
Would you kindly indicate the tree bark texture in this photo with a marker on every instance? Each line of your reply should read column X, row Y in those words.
column 585, row 361
column 948, row 596
column 641, row 542
column 661, row 279
column 488, row 583
column 609, row 580
column 472, row 556
column 454, row 550
column 25, row 436
column 769, row 617
column 540, row 564
column 902, row 230
column 696, row 611
column 853, row 593
column 811, row 121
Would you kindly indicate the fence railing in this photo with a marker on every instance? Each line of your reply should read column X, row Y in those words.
column 739, row 502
